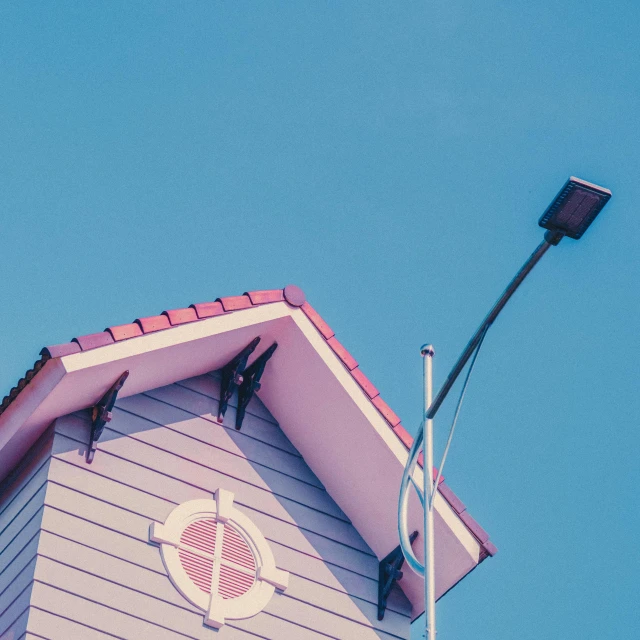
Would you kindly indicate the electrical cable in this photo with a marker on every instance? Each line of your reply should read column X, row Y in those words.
column 455, row 417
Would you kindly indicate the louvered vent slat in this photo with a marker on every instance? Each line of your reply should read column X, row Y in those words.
column 201, row 535
column 233, row 583
column 199, row 569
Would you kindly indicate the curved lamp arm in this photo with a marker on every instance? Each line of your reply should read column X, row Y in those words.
column 403, row 502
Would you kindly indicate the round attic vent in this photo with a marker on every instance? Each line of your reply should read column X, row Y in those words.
column 218, row 559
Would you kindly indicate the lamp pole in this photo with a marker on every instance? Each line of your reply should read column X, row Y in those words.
column 427, row 352
column 569, row 214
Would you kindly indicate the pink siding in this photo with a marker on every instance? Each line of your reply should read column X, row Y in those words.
column 21, row 507
column 97, row 574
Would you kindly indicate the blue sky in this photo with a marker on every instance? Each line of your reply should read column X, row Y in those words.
column 392, row 159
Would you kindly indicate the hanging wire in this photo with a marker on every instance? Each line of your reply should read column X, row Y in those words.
column 416, row 486
column 434, row 489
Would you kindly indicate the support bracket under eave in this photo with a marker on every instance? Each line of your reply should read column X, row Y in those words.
column 101, row 414
column 232, row 376
column 251, row 382
column 389, row 572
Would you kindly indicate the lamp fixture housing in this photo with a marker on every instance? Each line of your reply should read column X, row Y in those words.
column 575, row 208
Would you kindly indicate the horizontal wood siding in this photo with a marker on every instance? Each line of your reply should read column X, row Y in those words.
column 97, row 573
column 21, row 506
column 14, row 618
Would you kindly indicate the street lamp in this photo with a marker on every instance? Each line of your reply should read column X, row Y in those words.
column 570, row 214
column 574, row 208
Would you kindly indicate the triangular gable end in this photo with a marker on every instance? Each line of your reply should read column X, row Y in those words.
column 331, row 413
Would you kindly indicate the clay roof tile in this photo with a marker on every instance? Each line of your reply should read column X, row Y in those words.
column 94, row 340
column 59, row 350
column 404, row 435
column 208, row 309
column 319, row 323
column 153, row 323
column 388, row 413
column 125, row 331
column 181, row 316
column 235, row 303
column 263, row 297
column 365, row 383
column 350, row 362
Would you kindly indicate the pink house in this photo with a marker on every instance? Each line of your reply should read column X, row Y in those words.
column 136, row 505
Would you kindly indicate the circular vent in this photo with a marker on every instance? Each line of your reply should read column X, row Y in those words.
column 218, row 559
column 206, row 540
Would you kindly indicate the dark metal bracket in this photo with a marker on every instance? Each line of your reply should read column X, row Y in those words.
column 389, row 572
column 101, row 414
column 232, row 376
column 251, row 382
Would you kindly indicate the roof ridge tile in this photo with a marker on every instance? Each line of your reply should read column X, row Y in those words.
column 364, row 382
column 207, row 309
column 338, row 348
column 94, row 340
column 317, row 321
column 181, row 316
column 235, row 303
column 265, row 296
column 153, row 323
column 125, row 331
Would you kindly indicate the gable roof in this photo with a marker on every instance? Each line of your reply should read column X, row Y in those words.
column 21, row 425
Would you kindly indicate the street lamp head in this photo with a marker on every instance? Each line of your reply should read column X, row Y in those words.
column 574, row 209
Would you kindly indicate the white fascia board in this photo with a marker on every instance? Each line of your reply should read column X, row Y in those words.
column 163, row 357
column 175, row 336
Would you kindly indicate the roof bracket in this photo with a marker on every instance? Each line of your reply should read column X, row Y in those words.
column 389, row 572
column 101, row 414
column 251, row 382
column 232, row 376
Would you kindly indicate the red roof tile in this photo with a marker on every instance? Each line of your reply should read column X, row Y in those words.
column 404, row 435
column 29, row 375
column 59, row 350
column 125, row 331
column 94, row 340
column 490, row 548
column 208, row 309
column 456, row 504
column 181, row 316
column 235, row 303
column 350, row 362
column 474, row 527
column 153, row 323
column 365, row 383
column 386, row 411
column 319, row 323
column 262, row 297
